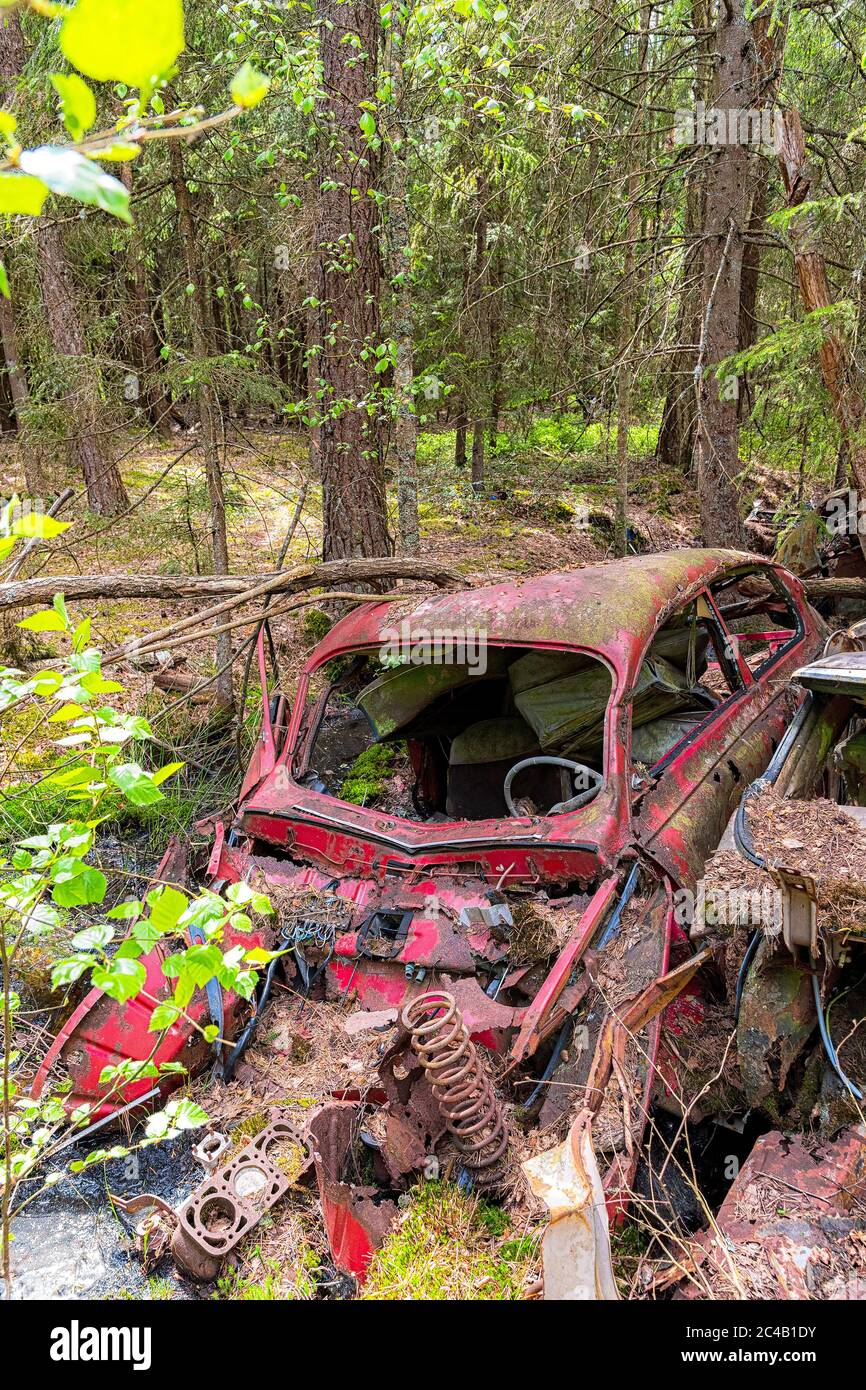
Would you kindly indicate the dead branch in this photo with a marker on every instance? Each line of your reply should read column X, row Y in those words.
column 28, row 593
column 145, row 645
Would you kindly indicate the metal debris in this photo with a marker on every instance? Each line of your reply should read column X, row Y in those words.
column 463, row 1089
column 576, row 1244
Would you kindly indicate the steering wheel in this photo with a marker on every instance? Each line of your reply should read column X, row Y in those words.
column 542, row 760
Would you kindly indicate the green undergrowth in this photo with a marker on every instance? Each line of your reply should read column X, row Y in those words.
column 447, row 1246
column 368, row 775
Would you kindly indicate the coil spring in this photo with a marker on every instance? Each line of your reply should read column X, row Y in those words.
column 462, row 1088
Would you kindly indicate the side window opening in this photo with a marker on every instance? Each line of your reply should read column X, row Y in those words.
column 691, row 652
column 760, row 615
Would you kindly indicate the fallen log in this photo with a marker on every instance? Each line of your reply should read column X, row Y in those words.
column 834, row 588
column 28, row 593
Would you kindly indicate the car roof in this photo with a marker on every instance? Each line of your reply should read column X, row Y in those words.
column 610, row 608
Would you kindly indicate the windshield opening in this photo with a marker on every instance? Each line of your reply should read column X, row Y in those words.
column 520, row 733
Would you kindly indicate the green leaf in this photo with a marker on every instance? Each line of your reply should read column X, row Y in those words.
column 242, row 895
column 66, row 713
column 144, row 935
column 136, row 784
column 368, row 124
column 65, row 972
column 4, row 282
column 120, row 979
column 125, row 912
column 96, row 684
column 98, row 935
column 162, row 774
column 124, row 40
column 81, row 635
column 67, row 172
column 77, row 890
column 59, row 606
column 115, row 153
column 46, row 620
column 163, row 1016
column 77, row 102
column 166, row 905
column 22, row 193
column 249, row 87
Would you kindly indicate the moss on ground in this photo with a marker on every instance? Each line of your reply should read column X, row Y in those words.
column 447, row 1246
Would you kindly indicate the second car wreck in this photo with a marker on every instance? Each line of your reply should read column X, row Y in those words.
column 510, row 917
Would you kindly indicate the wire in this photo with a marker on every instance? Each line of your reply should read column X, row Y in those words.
column 828, row 1041
column 555, row 1055
column 752, row 947
column 743, row 835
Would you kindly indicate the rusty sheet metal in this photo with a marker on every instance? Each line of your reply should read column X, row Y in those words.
column 414, row 1123
column 776, row 1020
column 683, row 818
column 791, row 1225
column 608, row 607
column 101, row 1032
column 631, row 1018
column 579, row 938
column 576, row 1245
column 357, row 1217
column 633, row 964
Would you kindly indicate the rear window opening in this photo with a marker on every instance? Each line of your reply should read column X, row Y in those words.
column 690, row 656
column 524, row 736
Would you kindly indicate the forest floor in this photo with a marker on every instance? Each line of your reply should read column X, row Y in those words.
column 547, row 506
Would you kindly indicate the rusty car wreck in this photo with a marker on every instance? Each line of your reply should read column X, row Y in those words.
column 524, row 920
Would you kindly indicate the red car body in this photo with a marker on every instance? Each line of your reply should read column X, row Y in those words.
column 449, row 882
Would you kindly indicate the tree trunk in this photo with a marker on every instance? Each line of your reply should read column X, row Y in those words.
column 347, row 288
column 405, row 423
column 676, row 443
column 841, row 376
column 770, row 48
column 144, row 346
column 18, row 390
column 208, row 412
column 479, row 313
column 495, row 315
column 105, row 491
column 478, row 456
column 460, row 425
column 629, row 310
column 728, row 203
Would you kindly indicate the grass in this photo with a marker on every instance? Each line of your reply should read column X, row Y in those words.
column 446, row 1246
column 267, row 1279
